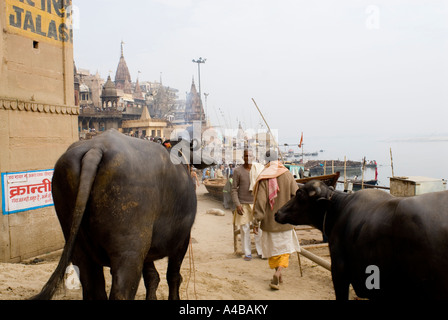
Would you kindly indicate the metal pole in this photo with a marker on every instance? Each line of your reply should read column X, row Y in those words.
column 200, row 97
column 303, row 161
column 199, row 77
column 206, row 113
column 363, row 169
column 392, row 162
column 199, row 61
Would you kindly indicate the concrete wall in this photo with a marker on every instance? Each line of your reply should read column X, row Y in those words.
column 38, row 116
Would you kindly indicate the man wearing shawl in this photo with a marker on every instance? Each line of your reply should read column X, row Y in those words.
column 274, row 187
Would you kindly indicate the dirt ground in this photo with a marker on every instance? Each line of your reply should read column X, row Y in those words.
column 211, row 270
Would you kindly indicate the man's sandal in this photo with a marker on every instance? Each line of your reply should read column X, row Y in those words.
column 275, row 283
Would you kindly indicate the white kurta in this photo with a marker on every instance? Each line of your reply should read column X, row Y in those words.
column 277, row 243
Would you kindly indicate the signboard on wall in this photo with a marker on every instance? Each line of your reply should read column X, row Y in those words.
column 23, row 191
column 44, row 20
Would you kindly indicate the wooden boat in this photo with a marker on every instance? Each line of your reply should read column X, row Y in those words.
column 357, row 184
column 329, row 179
column 215, row 186
column 316, row 167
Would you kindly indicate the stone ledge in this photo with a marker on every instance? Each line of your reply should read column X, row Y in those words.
column 14, row 104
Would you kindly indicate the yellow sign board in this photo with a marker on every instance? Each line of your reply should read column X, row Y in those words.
column 43, row 20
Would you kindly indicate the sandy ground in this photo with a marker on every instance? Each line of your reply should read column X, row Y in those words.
column 211, row 270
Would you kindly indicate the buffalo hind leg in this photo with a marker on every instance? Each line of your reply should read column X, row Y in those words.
column 173, row 275
column 341, row 285
column 151, row 278
column 126, row 275
column 93, row 284
column 91, row 276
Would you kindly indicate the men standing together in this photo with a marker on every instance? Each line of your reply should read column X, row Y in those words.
column 272, row 188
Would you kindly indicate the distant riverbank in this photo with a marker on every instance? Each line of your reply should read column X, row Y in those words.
column 412, row 156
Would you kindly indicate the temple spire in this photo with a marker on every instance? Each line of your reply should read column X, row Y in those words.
column 122, row 75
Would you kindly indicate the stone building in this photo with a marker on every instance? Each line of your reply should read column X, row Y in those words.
column 146, row 127
column 38, row 121
column 109, row 96
column 122, row 100
column 106, row 116
column 193, row 109
column 118, row 100
column 92, row 88
column 122, row 75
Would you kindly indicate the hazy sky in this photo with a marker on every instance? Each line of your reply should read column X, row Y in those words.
column 324, row 67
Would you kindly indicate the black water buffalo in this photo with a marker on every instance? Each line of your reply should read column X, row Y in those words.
column 122, row 203
column 386, row 247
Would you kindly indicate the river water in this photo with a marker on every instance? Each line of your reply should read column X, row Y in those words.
column 411, row 157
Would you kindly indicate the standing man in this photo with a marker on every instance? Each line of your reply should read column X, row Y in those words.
column 274, row 187
column 227, row 194
column 243, row 200
column 194, row 176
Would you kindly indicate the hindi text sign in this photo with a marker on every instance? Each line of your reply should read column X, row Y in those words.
column 23, row 191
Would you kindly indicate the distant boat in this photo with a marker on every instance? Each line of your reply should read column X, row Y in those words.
column 308, row 154
column 215, row 186
column 371, row 164
column 290, row 152
column 357, row 184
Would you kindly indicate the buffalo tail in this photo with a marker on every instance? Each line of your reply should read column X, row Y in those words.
column 90, row 163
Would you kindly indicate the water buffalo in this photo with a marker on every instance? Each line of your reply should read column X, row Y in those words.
column 122, row 203
column 387, row 247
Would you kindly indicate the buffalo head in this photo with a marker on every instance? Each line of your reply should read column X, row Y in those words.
column 308, row 206
column 183, row 151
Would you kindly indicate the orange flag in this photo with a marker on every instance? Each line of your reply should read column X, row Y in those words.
column 301, row 141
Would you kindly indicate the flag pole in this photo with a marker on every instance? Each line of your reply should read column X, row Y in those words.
column 303, row 163
column 301, row 145
column 392, row 162
column 363, row 169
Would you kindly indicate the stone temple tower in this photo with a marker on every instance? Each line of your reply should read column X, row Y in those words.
column 193, row 107
column 122, row 75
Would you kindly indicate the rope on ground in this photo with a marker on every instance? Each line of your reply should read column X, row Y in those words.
column 192, row 270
